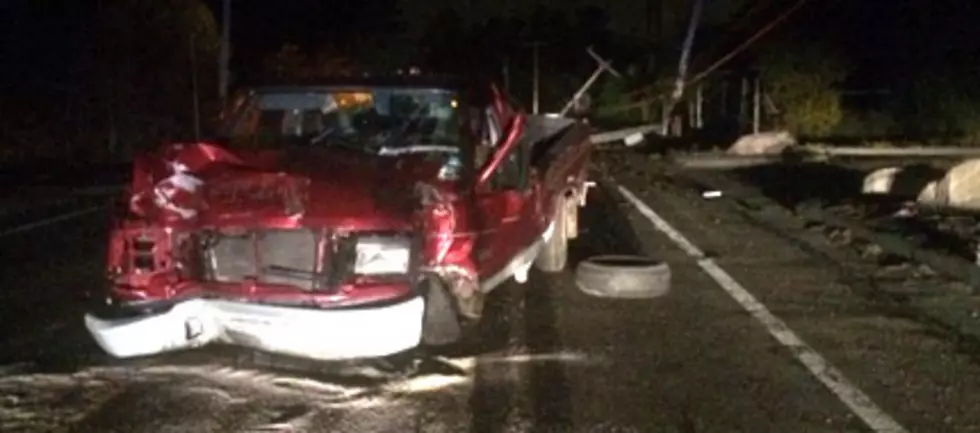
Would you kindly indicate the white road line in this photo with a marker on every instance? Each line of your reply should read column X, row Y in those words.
column 848, row 393
column 34, row 206
column 48, row 221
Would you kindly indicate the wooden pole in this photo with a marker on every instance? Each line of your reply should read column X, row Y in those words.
column 756, row 105
column 699, row 107
column 196, row 103
column 225, row 55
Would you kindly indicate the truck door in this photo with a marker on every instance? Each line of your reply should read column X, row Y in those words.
column 509, row 207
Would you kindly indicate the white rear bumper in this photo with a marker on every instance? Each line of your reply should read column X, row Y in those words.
column 304, row 332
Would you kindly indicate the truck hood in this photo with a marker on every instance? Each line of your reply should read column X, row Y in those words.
column 208, row 185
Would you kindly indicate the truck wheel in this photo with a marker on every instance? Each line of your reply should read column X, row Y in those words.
column 440, row 322
column 625, row 277
column 554, row 253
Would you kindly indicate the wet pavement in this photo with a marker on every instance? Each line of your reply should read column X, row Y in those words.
column 551, row 359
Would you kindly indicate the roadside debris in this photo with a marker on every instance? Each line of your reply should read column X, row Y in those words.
column 763, row 143
column 958, row 189
column 908, row 181
column 623, row 276
column 633, row 140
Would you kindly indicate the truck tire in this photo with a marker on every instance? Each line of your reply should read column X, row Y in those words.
column 440, row 321
column 553, row 255
column 624, row 277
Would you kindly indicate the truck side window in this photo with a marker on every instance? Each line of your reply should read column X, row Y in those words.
column 511, row 171
column 492, row 130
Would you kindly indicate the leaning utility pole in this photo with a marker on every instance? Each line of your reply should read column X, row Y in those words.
column 225, row 55
column 196, row 103
column 756, row 104
column 680, row 82
column 506, row 73
column 603, row 66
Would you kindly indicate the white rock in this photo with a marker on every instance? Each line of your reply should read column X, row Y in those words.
column 905, row 181
column 880, row 181
column 763, row 143
column 959, row 188
column 928, row 194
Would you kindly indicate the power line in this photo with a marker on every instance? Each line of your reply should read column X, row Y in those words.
column 758, row 35
column 743, row 20
column 737, row 50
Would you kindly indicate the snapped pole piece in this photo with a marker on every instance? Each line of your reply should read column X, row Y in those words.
column 603, row 66
column 537, row 94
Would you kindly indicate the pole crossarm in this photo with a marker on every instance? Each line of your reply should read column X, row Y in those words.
column 603, row 66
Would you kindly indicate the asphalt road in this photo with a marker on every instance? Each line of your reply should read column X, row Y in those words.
column 705, row 358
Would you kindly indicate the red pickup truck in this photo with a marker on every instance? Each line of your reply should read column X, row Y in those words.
column 353, row 218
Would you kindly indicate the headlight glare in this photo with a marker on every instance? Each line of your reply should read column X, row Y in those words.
column 379, row 255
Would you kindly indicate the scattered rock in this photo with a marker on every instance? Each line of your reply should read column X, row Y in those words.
column 959, row 188
column 880, row 181
column 870, row 250
column 928, row 194
column 905, row 181
column 838, row 235
column 924, row 272
column 763, row 143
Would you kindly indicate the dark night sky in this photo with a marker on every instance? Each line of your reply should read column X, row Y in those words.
column 52, row 78
column 37, row 37
column 266, row 24
column 878, row 35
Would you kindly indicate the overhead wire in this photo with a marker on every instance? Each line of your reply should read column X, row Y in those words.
column 748, row 42
column 758, row 34
column 743, row 19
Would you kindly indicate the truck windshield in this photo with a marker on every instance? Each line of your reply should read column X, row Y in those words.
column 385, row 120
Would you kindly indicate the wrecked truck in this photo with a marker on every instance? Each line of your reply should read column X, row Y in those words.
column 339, row 220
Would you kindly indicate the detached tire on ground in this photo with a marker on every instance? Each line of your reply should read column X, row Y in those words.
column 623, row 277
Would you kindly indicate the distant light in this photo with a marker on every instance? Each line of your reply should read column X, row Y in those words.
column 454, row 103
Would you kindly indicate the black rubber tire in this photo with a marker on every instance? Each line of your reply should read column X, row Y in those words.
column 440, row 322
column 624, row 277
column 553, row 256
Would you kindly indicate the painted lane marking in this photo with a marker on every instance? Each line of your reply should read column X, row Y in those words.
column 13, row 210
column 68, row 196
column 48, row 221
column 856, row 400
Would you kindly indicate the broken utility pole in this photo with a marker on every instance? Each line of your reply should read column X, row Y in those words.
column 682, row 65
column 603, row 66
